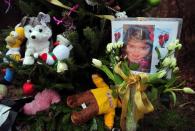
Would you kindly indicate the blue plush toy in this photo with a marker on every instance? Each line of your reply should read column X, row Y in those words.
column 7, row 79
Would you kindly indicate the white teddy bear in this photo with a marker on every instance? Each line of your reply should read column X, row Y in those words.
column 38, row 33
column 121, row 15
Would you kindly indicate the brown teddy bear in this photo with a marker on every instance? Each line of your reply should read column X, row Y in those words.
column 99, row 101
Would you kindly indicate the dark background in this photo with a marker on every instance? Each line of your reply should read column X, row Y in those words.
column 11, row 18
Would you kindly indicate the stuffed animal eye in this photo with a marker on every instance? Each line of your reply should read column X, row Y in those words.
column 30, row 31
column 40, row 30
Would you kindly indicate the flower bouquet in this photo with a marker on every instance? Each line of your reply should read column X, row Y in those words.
column 132, row 88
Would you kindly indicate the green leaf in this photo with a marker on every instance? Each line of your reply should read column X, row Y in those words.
column 93, row 125
column 173, row 97
column 158, row 52
column 153, row 95
column 89, row 34
column 108, row 72
column 100, row 123
column 117, row 79
column 170, row 82
column 66, row 118
column 125, row 67
column 134, row 66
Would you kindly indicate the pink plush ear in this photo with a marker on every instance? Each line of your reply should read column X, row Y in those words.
column 42, row 102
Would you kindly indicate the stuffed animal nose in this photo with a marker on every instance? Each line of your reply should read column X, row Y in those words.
column 33, row 37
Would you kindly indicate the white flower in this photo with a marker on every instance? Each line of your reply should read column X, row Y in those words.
column 120, row 44
column 61, row 67
column 96, row 62
column 179, row 46
column 188, row 90
column 109, row 47
column 171, row 46
column 166, row 62
column 157, row 75
column 117, row 58
column 176, row 69
column 174, row 45
column 161, row 74
column 115, row 45
column 173, row 62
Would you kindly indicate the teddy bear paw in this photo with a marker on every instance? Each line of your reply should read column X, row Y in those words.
column 28, row 61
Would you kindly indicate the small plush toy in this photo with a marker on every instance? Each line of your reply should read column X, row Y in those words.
column 8, row 76
column 61, row 67
column 3, row 91
column 60, row 52
column 99, row 101
column 14, row 41
column 38, row 34
column 121, row 15
column 41, row 102
column 61, row 39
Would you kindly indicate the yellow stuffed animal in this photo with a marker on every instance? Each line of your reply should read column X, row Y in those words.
column 99, row 101
column 14, row 41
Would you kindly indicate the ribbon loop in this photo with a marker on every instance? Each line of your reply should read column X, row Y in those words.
column 139, row 99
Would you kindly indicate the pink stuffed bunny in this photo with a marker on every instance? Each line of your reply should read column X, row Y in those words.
column 42, row 102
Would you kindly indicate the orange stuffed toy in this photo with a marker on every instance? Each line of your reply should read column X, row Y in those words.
column 99, row 101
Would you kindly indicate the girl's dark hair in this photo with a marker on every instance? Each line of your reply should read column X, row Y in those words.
column 138, row 32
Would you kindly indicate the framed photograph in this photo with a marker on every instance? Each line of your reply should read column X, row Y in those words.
column 141, row 36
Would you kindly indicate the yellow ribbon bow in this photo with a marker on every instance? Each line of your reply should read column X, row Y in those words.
column 132, row 90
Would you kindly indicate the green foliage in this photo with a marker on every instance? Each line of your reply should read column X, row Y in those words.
column 58, row 119
column 134, row 66
column 26, row 7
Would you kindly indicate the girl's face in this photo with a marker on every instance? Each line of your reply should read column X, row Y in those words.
column 136, row 50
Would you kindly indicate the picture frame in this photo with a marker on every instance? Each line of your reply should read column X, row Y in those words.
column 141, row 36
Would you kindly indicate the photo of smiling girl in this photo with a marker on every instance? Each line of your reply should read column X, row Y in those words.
column 138, row 43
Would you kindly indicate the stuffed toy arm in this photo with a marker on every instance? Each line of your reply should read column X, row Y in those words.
column 99, row 82
column 15, row 57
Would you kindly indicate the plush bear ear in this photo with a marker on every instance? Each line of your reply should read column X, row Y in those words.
column 43, row 18
column 25, row 20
